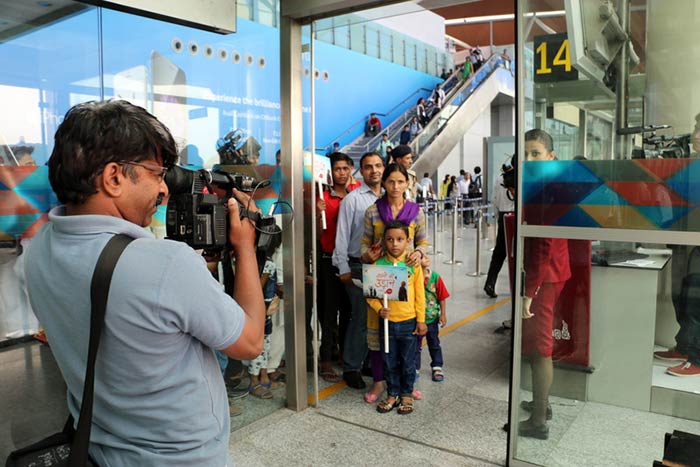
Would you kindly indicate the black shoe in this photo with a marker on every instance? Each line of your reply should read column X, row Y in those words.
column 529, row 405
column 354, row 379
column 529, row 430
column 366, row 371
column 489, row 289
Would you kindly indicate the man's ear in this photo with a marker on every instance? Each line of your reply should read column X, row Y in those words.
column 111, row 180
column 552, row 156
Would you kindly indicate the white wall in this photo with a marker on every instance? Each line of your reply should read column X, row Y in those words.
column 411, row 20
column 473, row 144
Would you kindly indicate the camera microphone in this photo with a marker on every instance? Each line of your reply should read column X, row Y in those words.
column 633, row 130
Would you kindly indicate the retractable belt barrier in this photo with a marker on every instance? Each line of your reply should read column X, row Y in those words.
column 435, row 208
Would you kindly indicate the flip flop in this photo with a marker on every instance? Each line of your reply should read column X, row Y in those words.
column 438, row 375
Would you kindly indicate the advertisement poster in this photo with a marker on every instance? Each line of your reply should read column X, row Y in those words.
column 379, row 279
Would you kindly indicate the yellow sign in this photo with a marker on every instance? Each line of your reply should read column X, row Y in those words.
column 553, row 59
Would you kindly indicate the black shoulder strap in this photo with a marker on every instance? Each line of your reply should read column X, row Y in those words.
column 99, row 290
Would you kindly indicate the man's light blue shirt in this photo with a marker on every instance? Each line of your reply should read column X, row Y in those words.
column 351, row 226
column 159, row 395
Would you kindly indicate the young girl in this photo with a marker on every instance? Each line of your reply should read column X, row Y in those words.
column 406, row 319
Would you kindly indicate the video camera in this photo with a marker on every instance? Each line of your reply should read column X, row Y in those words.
column 509, row 173
column 665, row 147
column 197, row 216
column 236, row 149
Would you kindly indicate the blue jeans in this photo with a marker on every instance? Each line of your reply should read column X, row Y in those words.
column 222, row 358
column 355, row 348
column 400, row 362
column 433, row 340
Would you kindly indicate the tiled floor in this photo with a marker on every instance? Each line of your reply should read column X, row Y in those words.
column 458, row 423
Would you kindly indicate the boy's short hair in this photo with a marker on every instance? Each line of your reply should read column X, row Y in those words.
column 396, row 225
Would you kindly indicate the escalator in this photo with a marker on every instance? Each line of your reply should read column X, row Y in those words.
column 400, row 114
column 461, row 110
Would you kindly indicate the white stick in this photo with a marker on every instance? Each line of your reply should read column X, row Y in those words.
column 386, row 325
column 425, row 192
column 323, row 213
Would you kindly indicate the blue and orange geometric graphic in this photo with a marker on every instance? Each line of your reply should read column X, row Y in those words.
column 651, row 194
column 25, row 199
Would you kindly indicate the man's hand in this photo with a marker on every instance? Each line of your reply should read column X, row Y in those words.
column 442, row 320
column 241, row 233
column 527, row 302
column 421, row 329
column 346, row 278
column 321, row 204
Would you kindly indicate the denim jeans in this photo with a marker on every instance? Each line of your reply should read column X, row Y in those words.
column 222, row 358
column 433, row 340
column 355, row 349
column 686, row 302
column 400, row 362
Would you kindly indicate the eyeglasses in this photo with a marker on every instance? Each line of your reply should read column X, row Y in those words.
column 158, row 170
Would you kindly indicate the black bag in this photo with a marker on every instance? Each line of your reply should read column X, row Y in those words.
column 475, row 187
column 69, row 448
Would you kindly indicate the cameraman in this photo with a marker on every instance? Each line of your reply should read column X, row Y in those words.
column 159, row 395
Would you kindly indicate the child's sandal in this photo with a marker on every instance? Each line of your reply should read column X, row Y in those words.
column 438, row 375
column 405, row 405
column 386, row 405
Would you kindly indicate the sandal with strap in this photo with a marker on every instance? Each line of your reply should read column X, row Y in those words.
column 260, row 392
column 405, row 406
column 438, row 375
column 387, row 405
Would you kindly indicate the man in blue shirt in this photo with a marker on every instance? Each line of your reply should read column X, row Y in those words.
column 346, row 257
column 159, row 395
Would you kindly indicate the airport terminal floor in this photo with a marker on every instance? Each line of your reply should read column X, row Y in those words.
column 457, row 423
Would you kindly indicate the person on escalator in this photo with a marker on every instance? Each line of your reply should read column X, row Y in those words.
column 373, row 125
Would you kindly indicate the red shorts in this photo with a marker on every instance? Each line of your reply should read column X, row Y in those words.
column 537, row 331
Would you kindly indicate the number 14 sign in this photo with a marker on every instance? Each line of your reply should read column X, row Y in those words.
column 553, row 59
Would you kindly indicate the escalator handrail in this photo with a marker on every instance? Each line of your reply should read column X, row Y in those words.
column 466, row 89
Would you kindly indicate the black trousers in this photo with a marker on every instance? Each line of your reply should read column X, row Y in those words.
column 499, row 253
column 333, row 310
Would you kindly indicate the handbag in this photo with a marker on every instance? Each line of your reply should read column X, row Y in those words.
column 69, row 448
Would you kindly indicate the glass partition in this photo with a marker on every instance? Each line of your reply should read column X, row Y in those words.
column 218, row 95
column 606, row 358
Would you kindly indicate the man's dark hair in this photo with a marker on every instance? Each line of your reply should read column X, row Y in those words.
column 400, row 151
column 541, row 136
column 369, row 154
column 477, row 170
column 94, row 134
column 396, row 225
column 341, row 156
column 394, row 167
column 461, row 171
column 426, row 174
